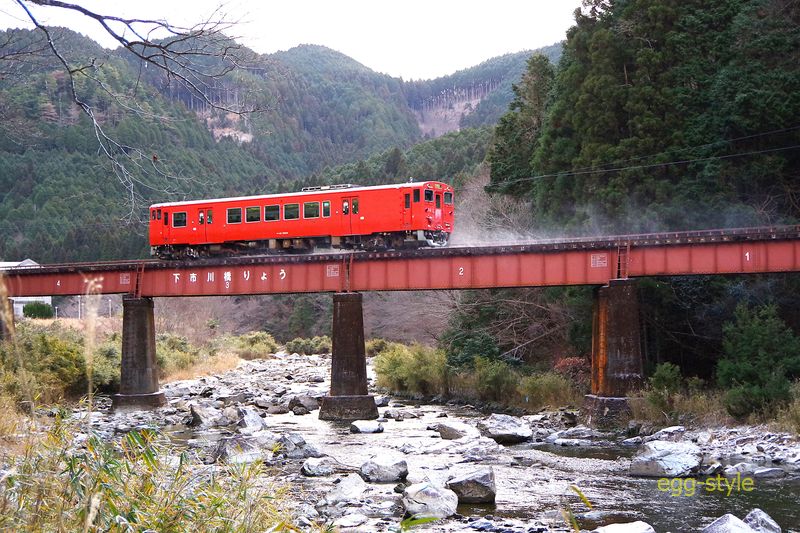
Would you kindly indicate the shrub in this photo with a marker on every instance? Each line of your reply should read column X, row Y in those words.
column 415, row 369
column 576, row 369
column 391, row 367
column 376, row 346
column 174, row 353
column 463, row 347
column 38, row 310
column 762, row 357
column 255, row 345
column 665, row 383
column 547, row 389
column 315, row 345
column 495, row 380
column 789, row 416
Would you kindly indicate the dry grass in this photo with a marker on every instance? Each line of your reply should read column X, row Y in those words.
column 697, row 409
column 217, row 364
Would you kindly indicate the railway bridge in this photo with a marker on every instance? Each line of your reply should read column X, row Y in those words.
column 612, row 264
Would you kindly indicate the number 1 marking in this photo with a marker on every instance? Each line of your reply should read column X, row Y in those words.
column 747, row 256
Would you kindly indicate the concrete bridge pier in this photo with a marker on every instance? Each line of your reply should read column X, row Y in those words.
column 6, row 318
column 348, row 399
column 617, row 363
column 138, row 386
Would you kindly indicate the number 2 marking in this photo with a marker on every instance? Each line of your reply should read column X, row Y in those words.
column 460, row 271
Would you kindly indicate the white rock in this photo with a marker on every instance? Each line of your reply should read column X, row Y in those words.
column 453, row 429
column 739, row 468
column 350, row 488
column 366, row 426
column 761, row 522
column 628, row 527
column 728, row 524
column 672, row 433
column 769, row 473
column 427, row 500
column 505, row 429
column 318, row 466
column 666, row 459
column 351, row 520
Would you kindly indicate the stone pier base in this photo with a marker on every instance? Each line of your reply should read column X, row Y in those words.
column 138, row 387
column 348, row 399
column 606, row 411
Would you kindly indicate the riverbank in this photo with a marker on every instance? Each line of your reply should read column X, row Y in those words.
column 266, row 410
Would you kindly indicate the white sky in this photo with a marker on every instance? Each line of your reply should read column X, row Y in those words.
column 415, row 39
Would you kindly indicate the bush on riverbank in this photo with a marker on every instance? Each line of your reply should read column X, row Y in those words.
column 136, row 484
column 421, row 370
column 315, row 345
column 255, row 345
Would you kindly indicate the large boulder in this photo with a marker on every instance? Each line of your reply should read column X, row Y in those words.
column 628, row 527
column 318, row 466
column 294, row 446
column 761, row 522
column 350, row 488
column 505, row 429
column 427, row 500
column 728, row 524
column 309, row 402
column 384, row 470
column 246, row 448
column 666, row 459
column 453, row 430
column 366, row 426
column 474, row 487
column 205, row 416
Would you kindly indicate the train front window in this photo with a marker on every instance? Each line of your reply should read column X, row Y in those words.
column 448, row 198
column 209, row 216
column 235, row 215
column 345, row 207
column 311, row 210
column 201, row 218
column 416, row 196
column 272, row 212
column 326, row 208
column 154, row 214
column 179, row 220
column 355, row 206
column 158, row 214
column 291, row 211
column 428, row 195
column 252, row 214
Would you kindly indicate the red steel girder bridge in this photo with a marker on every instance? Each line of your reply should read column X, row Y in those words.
column 583, row 261
column 611, row 263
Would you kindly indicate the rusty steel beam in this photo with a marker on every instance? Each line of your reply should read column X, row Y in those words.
column 545, row 263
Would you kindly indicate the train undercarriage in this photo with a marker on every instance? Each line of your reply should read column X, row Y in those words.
column 372, row 243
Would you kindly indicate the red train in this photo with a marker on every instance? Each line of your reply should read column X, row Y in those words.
column 337, row 216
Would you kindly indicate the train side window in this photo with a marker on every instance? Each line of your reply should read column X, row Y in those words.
column 345, row 207
column 311, row 210
column 291, row 211
column 428, row 195
column 154, row 214
column 416, row 196
column 355, row 206
column 201, row 218
column 234, row 215
column 209, row 216
column 272, row 212
column 448, row 198
column 408, row 201
column 252, row 214
column 179, row 220
column 166, row 218
column 326, row 208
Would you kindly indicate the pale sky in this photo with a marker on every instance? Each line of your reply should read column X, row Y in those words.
column 412, row 39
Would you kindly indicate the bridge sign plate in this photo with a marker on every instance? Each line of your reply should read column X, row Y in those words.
column 599, row 260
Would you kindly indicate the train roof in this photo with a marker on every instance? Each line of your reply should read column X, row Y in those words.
column 325, row 189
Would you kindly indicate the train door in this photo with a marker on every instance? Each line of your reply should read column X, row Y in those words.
column 438, row 211
column 199, row 226
column 350, row 215
column 167, row 229
column 407, row 210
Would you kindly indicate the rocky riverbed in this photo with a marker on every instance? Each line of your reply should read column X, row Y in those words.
column 479, row 472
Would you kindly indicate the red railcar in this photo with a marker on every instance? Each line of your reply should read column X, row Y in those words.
column 338, row 216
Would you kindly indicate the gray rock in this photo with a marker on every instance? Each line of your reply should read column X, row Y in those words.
column 572, row 442
column 633, row 441
column 628, row 527
column 366, row 426
column 277, row 409
column 205, row 416
column 769, row 473
column 666, row 459
column 474, row 487
column 315, row 467
column 739, row 468
column 250, row 419
column 381, row 401
column 505, row 429
column 294, row 446
column 246, row 448
column 728, row 524
column 299, row 410
column 427, row 500
column 384, row 471
column 453, row 429
column 351, row 520
column 672, row 433
column 309, row 402
column 233, row 398
column 350, row 488
column 761, row 522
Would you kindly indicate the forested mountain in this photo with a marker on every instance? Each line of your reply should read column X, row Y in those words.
column 60, row 199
